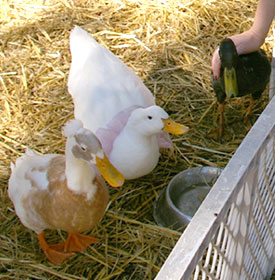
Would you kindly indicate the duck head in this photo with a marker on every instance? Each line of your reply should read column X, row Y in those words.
column 87, row 147
column 152, row 120
column 229, row 59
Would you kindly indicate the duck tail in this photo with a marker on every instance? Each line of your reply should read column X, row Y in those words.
column 81, row 43
column 28, row 153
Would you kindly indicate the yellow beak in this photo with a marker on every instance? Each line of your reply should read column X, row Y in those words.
column 109, row 172
column 174, row 128
column 230, row 82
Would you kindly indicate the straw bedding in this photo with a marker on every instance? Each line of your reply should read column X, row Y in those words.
column 169, row 44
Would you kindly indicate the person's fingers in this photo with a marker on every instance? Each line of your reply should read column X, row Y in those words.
column 216, row 64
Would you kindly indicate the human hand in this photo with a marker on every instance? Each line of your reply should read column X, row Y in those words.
column 245, row 42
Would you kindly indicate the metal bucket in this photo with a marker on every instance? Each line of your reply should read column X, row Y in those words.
column 184, row 194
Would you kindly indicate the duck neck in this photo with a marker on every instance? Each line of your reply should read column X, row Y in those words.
column 146, row 144
column 79, row 173
column 141, row 138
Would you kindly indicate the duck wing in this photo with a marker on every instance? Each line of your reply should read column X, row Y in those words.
column 253, row 73
column 29, row 177
column 108, row 134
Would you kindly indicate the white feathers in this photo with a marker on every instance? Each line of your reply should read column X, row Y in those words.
column 28, row 174
column 71, row 127
column 100, row 84
column 80, row 43
column 106, row 94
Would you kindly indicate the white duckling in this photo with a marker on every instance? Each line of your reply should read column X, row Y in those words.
column 111, row 100
column 63, row 192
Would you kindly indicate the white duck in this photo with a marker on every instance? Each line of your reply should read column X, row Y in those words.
column 63, row 192
column 111, row 100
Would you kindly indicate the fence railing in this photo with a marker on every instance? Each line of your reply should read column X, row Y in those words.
column 233, row 232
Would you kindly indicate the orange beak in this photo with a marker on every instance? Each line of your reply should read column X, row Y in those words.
column 109, row 172
column 174, row 127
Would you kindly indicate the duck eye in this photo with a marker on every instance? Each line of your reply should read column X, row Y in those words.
column 83, row 148
column 149, row 117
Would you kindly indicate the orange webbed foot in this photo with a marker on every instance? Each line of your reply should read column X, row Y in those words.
column 56, row 257
column 78, row 242
column 58, row 247
column 55, row 253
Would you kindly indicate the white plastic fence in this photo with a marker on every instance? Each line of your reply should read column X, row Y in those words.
column 272, row 76
column 232, row 234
